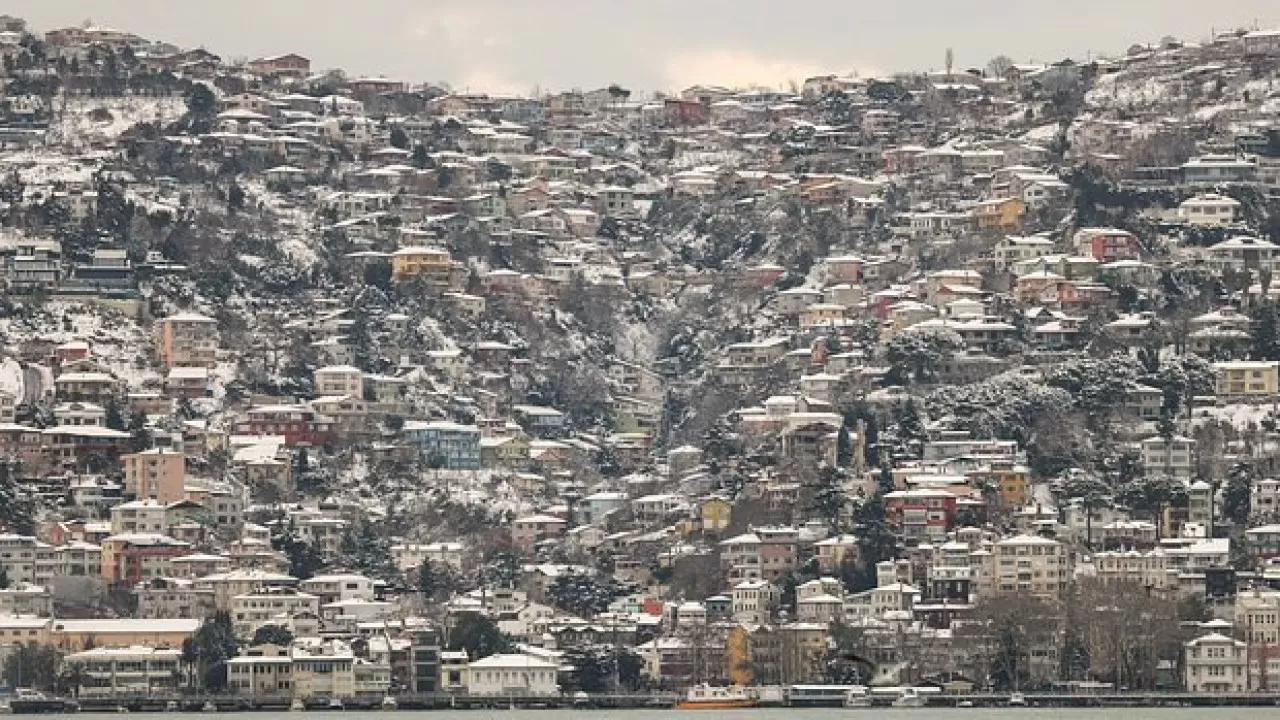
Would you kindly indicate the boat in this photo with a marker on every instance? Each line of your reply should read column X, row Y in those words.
column 1017, row 700
column 33, row 702
column 709, row 697
column 858, row 697
column 335, row 703
column 909, row 697
column 965, row 704
column 297, row 705
column 172, row 706
column 389, row 703
column 209, row 706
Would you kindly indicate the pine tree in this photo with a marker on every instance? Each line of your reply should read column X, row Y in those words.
column 844, row 447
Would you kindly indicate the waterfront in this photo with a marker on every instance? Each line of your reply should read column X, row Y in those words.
column 934, row 713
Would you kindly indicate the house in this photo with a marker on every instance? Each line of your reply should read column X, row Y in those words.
column 1246, row 378
column 445, row 444
column 1173, row 456
column 1214, row 169
column 1003, row 214
column 133, row 557
column 754, row 601
column 289, row 65
column 187, row 382
column 1012, row 249
column 1106, row 244
column 1215, row 663
column 528, row 531
column 298, row 424
column 261, row 672
column 336, row 380
column 616, row 202
column 1243, row 253
column 31, row 265
column 1261, row 42
column 512, row 674
column 1209, row 209
column 273, row 606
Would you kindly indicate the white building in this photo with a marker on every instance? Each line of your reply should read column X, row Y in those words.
column 1216, row 664
column 512, row 675
column 133, row 671
column 1209, row 209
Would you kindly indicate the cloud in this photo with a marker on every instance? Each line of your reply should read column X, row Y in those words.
column 735, row 68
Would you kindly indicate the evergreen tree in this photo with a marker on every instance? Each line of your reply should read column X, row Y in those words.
column 202, row 108
column 212, row 646
column 844, row 447
column 428, row 580
column 399, row 138
column 235, row 198
column 1238, row 493
column 140, row 437
column 828, row 499
column 478, row 636
column 1264, row 333
column 272, row 635
column 114, row 419
column 304, row 560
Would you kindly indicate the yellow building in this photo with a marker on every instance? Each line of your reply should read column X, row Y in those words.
column 23, row 630
column 1011, row 482
column 716, row 513
column 77, row 635
column 432, row 264
column 1003, row 214
column 1246, row 378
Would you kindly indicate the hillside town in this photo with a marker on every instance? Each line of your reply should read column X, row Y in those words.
column 317, row 387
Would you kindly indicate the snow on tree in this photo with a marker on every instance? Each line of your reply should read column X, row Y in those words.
column 1097, row 384
column 1237, row 495
column 1005, row 406
column 917, row 351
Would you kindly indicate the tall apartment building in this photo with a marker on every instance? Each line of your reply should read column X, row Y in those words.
column 187, row 340
column 155, row 473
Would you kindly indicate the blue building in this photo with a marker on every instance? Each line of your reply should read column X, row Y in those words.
column 445, row 444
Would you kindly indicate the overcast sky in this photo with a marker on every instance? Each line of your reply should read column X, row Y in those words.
column 520, row 45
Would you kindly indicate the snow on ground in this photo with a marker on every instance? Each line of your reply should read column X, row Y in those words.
column 115, row 341
column 1240, row 416
column 294, row 221
column 11, row 380
column 1128, row 89
column 1041, row 133
column 76, row 127
column 43, row 168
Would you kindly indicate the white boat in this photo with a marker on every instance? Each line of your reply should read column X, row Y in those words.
column 710, row 697
column 209, row 706
column 297, row 705
column 335, row 704
column 389, row 703
column 172, row 706
column 965, row 704
column 858, row 697
column 1017, row 700
column 909, row 697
